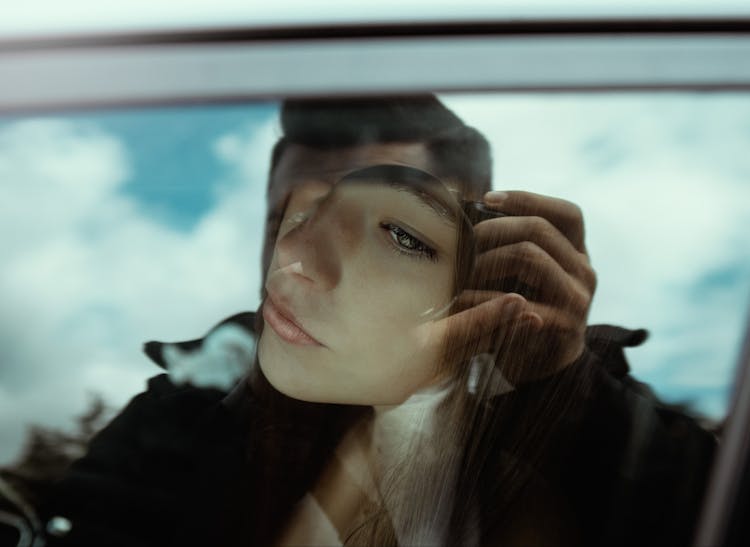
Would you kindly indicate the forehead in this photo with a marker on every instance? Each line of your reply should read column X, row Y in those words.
column 300, row 163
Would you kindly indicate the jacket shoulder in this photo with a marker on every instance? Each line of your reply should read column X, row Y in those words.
column 145, row 470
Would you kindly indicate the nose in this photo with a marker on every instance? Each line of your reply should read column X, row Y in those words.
column 311, row 249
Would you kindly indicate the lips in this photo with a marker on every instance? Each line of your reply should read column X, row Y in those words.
column 285, row 325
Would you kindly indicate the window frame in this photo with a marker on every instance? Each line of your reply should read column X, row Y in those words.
column 228, row 65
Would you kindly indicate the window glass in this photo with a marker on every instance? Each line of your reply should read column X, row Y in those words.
column 373, row 262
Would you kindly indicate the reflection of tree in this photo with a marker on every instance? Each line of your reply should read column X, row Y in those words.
column 48, row 452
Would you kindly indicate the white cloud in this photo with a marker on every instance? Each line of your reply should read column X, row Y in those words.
column 87, row 276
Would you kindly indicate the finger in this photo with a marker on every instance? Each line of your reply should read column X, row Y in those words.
column 545, row 330
column 497, row 232
column 556, row 326
column 536, row 271
column 564, row 215
column 484, row 317
column 470, row 298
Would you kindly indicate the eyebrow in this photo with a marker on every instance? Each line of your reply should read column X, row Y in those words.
column 433, row 202
column 412, row 181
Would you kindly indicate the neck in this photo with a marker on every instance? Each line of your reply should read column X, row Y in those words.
column 358, row 483
column 383, row 442
column 396, row 428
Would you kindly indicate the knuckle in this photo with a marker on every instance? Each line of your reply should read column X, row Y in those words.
column 576, row 212
column 593, row 279
column 589, row 278
column 539, row 228
column 572, row 211
column 528, row 250
column 580, row 300
column 572, row 297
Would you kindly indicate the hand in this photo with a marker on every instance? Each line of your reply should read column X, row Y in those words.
column 538, row 251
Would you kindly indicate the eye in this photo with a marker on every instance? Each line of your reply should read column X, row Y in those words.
column 408, row 244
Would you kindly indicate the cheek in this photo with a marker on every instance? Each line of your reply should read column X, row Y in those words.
column 385, row 332
column 395, row 300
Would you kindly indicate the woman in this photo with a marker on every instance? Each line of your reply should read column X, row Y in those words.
column 398, row 396
column 366, row 274
column 328, row 337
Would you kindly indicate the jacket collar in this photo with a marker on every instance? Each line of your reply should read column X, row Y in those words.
column 155, row 350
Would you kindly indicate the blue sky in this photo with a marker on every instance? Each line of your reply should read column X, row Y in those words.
column 131, row 225
column 179, row 192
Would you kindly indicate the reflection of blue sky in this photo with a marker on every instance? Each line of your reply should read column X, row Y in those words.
column 138, row 224
column 172, row 158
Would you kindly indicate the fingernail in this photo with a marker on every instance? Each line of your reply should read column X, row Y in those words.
column 496, row 196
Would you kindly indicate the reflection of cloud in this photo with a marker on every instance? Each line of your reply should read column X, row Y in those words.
column 662, row 180
column 225, row 355
column 87, row 276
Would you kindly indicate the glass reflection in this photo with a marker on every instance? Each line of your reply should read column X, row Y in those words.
column 424, row 371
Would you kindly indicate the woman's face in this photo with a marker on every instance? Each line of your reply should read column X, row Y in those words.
column 357, row 268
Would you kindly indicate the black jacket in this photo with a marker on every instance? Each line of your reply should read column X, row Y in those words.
column 186, row 466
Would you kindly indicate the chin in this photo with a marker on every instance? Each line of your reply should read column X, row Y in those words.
column 285, row 375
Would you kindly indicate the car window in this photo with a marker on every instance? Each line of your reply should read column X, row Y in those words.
column 129, row 225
